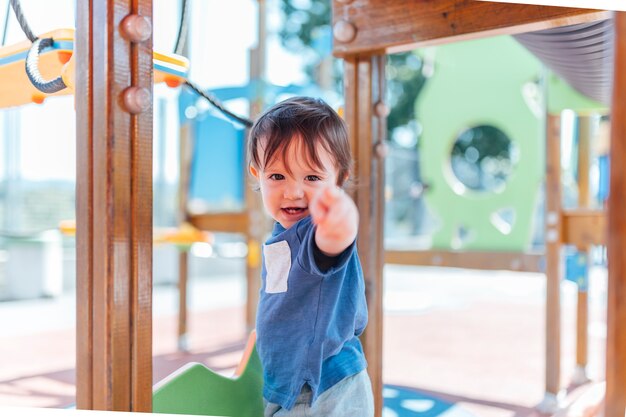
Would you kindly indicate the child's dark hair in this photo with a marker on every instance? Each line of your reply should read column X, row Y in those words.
column 308, row 119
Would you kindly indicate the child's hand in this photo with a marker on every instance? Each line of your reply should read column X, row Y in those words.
column 337, row 220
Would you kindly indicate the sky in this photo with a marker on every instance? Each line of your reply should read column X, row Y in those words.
column 222, row 32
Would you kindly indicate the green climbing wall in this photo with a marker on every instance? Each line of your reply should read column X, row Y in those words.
column 488, row 82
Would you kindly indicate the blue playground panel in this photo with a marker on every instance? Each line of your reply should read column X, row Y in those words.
column 603, row 181
column 218, row 163
column 576, row 269
column 218, row 166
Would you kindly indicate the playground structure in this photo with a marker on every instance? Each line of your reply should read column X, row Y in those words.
column 56, row 60
column 466, row 92
column 364, row 33
column 108, row 194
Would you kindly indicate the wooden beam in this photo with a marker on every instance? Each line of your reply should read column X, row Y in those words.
column 258, row 225
column 114, row 209
column 512, row 261
column 364, row 92
column 84, row 208
column 615, row 403
column 585, row 123
column 229, row 222
column 583, row 227
column 586, row 4
column 388, row 26
column 185, row 152
column 553, row 264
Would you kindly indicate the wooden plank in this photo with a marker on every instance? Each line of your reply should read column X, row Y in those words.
column 582, row 334
column 183, row 273
column 512, row 261
column 84, row 215
column 185, row 147
column 584, row 201
column 118, row 197
column 615, row 403
column 584, row 227
column 141, row 201
column 257, row 223
column 364, row 82
column 553, row 262
column 230, row 222
column 377, row 149
column 387, row 26
column 585, row 128
column 587, row 4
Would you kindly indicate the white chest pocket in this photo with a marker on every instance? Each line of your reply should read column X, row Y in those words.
column 277, row 264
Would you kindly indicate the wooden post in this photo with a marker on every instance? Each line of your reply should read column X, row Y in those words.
column 615, row 402
column 402, row 25
column 365, row 115
column 553, row 264
column 584, row 201
column 257, row 223
column 185, row 159
column 114, row 207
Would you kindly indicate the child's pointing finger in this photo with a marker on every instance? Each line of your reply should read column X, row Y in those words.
column 329, row 196
column 322, row 203
column 318, row 209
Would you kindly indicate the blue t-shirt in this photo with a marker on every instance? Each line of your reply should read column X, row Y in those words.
column 308, row 320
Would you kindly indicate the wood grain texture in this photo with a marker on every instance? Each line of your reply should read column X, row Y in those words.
column 615, row 401
column 512, row 261
column 84, row 209
column 141, row 214
column 183, row 273
column 553, row 255
column 388, row 26
column 584, row 201
column 584, row 227
column 229, row 222
column 185, row 152
column 364, row 85
column 115, row 271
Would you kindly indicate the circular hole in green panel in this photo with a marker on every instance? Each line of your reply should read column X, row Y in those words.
column 483, row 158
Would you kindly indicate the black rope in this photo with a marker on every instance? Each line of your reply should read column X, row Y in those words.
column 6, row 24
column 182, row 29
column 32, row 68
column 32, row 58
column 178, row 50
column 218, row 105
column 17, row 8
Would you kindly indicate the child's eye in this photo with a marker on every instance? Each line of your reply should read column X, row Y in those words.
column 276, row 177
column 312, row 178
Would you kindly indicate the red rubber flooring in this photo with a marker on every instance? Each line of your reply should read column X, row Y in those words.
column 474, row 339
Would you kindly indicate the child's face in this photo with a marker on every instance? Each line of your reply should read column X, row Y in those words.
column 286, row 196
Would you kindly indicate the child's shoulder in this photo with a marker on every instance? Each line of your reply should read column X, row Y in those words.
column 299, row 230
column 303, row 227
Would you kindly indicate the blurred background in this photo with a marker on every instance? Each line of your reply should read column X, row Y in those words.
column 441, row 333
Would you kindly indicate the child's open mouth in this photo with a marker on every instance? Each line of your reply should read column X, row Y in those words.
column 292, row 211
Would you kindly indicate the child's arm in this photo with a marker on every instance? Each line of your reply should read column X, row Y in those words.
column 337, row 220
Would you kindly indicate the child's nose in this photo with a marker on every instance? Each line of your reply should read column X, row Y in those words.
column 294, row 191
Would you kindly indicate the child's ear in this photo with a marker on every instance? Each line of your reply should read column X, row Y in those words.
column 254, row 172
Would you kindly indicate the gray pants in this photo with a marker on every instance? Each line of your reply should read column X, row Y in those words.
column 351, row 397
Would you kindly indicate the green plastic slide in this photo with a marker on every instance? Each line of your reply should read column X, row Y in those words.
column 197, row 390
